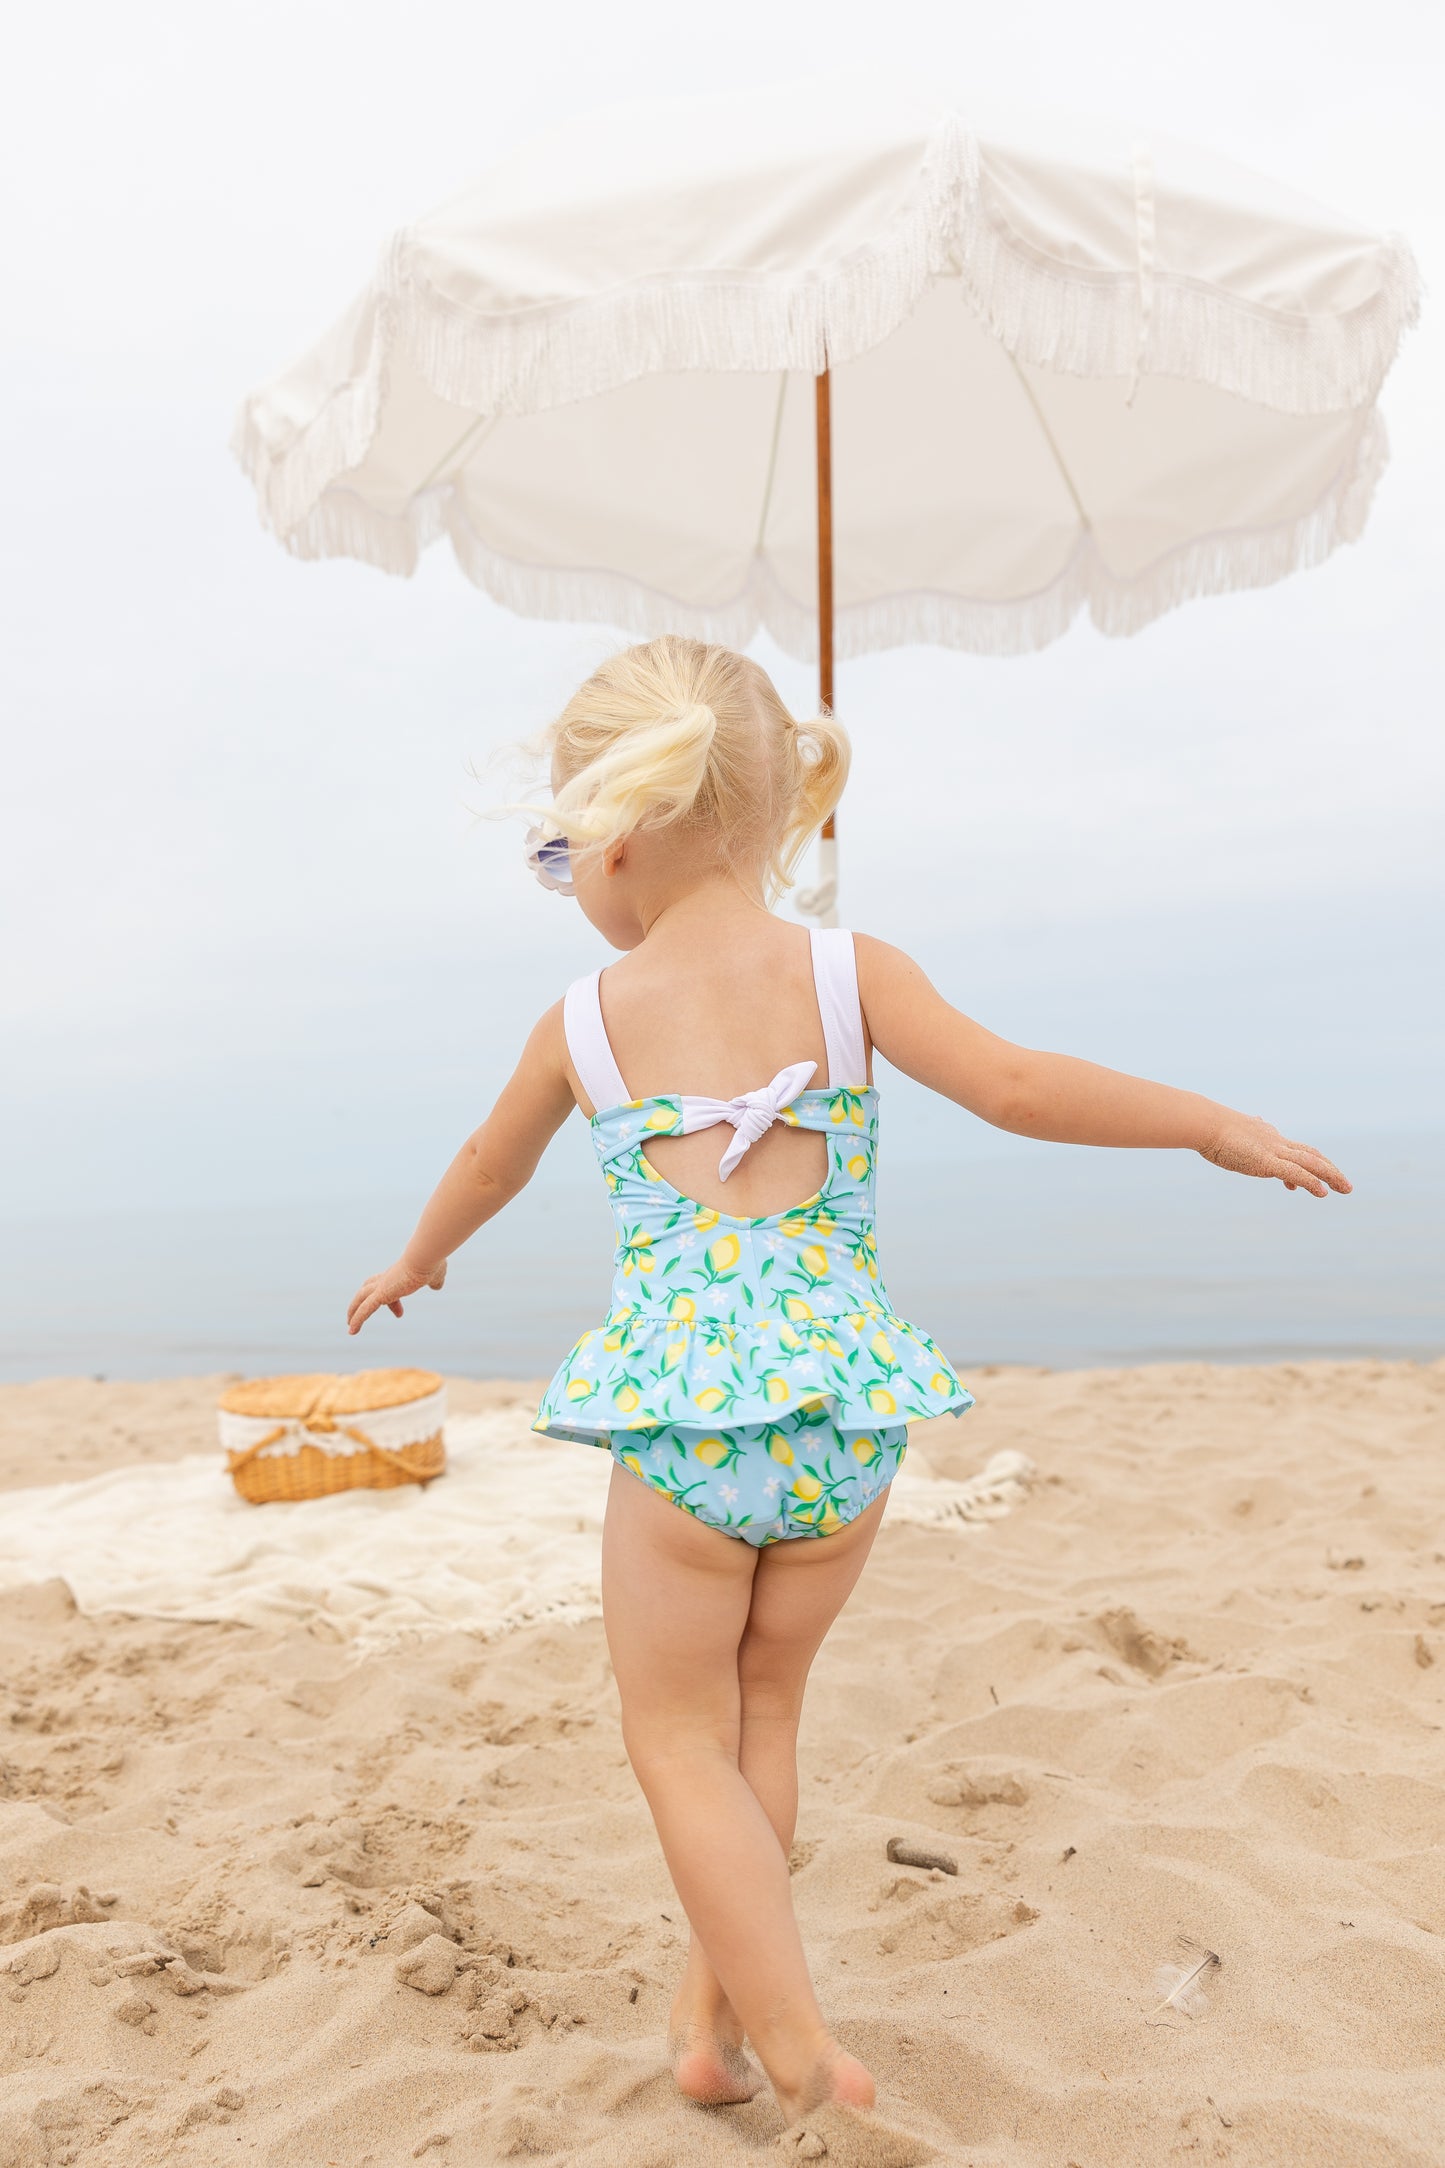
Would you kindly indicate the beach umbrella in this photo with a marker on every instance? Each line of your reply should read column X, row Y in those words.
column 854, row 366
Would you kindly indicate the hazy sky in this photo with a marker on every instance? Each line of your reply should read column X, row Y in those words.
column 257, row 945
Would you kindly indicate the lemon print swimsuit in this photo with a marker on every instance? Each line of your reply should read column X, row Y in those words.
column 750, row 1370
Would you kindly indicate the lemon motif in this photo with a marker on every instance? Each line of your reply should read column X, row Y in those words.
column 807, row 1487
column 830, row 1520
column 704, row 1302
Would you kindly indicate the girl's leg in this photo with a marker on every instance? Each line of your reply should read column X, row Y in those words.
column 677, row 1598
column 799, row 1587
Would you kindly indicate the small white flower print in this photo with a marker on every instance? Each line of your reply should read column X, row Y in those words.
column 773, row 1485
column 728, row 1495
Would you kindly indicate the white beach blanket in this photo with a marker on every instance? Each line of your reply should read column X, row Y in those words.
column 507, row 1537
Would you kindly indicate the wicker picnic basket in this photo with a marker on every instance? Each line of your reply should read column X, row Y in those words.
column 304, row 1437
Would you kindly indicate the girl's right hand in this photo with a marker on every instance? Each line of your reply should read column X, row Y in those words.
column 385, row 1291
column 1246, row 1144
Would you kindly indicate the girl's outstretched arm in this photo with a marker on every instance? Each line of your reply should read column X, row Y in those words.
column 1056, row 1097
column 496, row 1161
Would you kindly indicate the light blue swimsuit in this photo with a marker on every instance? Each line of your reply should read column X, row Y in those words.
column 750, row 1370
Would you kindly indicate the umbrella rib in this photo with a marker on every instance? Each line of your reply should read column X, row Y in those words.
column 477, row 430
column 1068, row 480
column 772, row 465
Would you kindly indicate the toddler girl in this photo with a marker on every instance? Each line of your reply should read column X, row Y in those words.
column 750, row 1370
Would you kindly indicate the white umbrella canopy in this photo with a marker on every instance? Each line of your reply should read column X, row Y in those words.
column 1066, row 370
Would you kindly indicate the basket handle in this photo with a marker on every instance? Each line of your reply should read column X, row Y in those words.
column 314, row 1423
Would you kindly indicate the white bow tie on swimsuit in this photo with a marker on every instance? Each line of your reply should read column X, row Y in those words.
column 750, row 1116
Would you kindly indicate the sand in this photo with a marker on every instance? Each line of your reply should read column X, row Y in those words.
column 264, row 1899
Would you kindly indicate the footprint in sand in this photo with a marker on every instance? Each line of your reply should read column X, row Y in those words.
column 849, row 2138
column 1139, row 1645
column 968, row 1785
column 934, row 1927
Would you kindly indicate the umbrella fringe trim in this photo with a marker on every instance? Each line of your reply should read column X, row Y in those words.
column 1087, row 324
column 558, row 353
column 1225, row 563
column 1082, row 322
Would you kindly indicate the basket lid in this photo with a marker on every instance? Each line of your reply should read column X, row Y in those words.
column 325, row 1393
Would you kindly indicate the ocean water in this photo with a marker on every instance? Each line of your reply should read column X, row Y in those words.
column 1023, row 1254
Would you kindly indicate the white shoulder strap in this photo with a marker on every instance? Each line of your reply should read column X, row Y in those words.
column 835, row 978
column 589, row 1045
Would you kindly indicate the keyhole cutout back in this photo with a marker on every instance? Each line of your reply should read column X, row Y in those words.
column 722, row 1320
column 778, row 1160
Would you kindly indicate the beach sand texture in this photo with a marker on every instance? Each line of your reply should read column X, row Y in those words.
column 263, row 1901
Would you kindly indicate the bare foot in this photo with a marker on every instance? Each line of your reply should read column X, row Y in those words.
column 711, row 2071
column 835, row 2076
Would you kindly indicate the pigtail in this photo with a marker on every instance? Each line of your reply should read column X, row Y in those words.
column 651, row 773
column 821, row 758
column 679, row 732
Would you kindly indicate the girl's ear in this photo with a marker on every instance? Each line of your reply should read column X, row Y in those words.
column 615, row 857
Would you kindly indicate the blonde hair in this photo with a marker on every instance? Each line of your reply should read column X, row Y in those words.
column 676, row 732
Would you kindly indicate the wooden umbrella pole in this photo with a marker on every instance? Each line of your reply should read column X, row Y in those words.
column 822, row 902
column 824, row 403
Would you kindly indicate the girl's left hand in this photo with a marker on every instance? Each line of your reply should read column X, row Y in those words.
column 384, row 1291
column 1246, row 1144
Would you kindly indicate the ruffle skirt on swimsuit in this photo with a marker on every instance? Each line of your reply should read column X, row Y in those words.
column 803, row 1475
